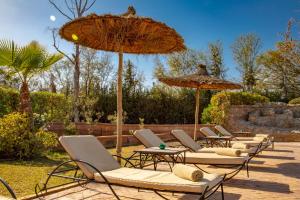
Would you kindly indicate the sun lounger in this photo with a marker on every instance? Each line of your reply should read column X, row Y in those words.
column 99, row 166
column 214, row 139
column 149, row 139
column 188, row 142
column 269, row 139
column 209, row 133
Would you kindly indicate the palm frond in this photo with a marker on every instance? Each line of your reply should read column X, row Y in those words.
column 7, row 52
column 28, row 60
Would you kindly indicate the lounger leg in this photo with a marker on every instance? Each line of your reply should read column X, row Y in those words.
column 160, row 195
column 247, row 167
column 202, row 197
column 117, row 197
column 222, row 191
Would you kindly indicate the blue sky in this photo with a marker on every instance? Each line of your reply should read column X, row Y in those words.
column 198, row 21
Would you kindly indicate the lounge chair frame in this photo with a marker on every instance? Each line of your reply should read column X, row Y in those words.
column 41, row 191
column 9, row 189
column 270, row 140
column 233, row 173
column 221, row 141
column 227, row 176
column 154, row 158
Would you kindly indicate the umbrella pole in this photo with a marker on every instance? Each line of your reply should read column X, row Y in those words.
column 119, row 107
column 197, row 113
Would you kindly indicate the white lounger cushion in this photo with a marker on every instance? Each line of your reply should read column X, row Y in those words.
column 148, row 138
column 251, row 143
column 89, row 149
column 5, row 198
column 213, row 159
column 213, row 150
column 159, row 180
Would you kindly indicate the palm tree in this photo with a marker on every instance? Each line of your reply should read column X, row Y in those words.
column 25, row 62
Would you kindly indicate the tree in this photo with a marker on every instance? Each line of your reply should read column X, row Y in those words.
column 97, row 69
column 280, row 68
column 159, row 69
column 26, row 62
column 89, row 58
column 215, row 60
column 63, row 71
column 186, row 62
column 76, row 9
column 245, row 51
column 278, row 73
column 133, row 80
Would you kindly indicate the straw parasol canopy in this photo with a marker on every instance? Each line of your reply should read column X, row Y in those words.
column 201, row 81
column 126, row 33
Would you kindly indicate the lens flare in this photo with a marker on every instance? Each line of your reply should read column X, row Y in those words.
column 74, row 37
column 52, row 18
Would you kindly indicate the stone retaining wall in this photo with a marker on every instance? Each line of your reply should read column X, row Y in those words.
column 280, row 120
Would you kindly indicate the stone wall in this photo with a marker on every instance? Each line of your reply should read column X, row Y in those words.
column 278, row 119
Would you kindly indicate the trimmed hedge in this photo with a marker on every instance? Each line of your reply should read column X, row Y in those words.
column 295, row 101
column 47, row 106
column 221, row 102
column 9, row 100
column 50, row 106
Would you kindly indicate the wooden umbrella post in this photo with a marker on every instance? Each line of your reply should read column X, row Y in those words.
column 119, row 107
column 197, row 113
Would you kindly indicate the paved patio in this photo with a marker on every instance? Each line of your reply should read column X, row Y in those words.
column 274, row 174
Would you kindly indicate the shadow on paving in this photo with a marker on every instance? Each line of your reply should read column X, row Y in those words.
column 287, row 169
column 276, row 157
column 161, row 195
column 258, row 162
column 280, row 150
column 216, row 195
column 260, row 185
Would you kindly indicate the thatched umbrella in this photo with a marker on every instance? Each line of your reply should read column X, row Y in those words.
column 124, row 33
column 201, row 81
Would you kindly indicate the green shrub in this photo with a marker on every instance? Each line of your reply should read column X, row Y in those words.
column 206, row 116
column 221, row 102
column 48, row 140
column 295, row 101
column 50, row 106
column 19, row 142
column 9, row 100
